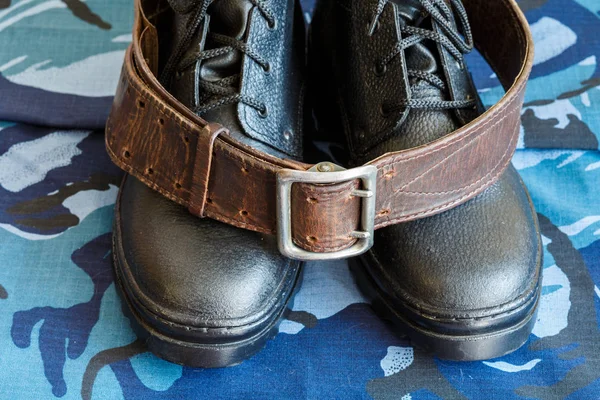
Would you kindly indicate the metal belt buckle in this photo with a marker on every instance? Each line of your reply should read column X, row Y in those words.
column 324, row 173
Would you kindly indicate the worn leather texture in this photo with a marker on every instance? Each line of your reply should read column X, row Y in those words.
column 282, row 46
column 149, row 131
column 473, row 269
column 200, row 280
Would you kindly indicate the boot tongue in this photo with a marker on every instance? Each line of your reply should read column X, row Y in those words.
column 411, row 10
column 420, row 126
column 225, row 17
column 422, row 56
column 229, row 18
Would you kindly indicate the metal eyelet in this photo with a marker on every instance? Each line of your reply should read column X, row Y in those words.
column 272, row 25
column 178, row 75
column 267, row 68
column 375, row 28
column 264, row 112
column 384, row 111
column 379, row 69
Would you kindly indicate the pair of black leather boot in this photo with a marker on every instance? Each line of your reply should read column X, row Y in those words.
column 464, row 283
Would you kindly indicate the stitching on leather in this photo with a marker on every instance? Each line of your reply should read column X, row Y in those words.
column 159, row 187
column 448, row 204
column 133, row 171
column 142, row 177
column 178, row 121
column 472, row 139
column 152, row 17
column 515, row 130
column 163, row 108
column 467, row 135
column 184, row 125
column 300, row 113
column 474, row 183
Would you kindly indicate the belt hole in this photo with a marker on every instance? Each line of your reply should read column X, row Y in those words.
column 209, row 200
column 389, row 175
column 161, row 121
column 141, row 104
column 186, row 139
column 312, row 200
column 177, row 185
column 149, row 171
column 126, row 154
column 312, row 239
column 244, row 170
column 383, row 213
column 244, row 213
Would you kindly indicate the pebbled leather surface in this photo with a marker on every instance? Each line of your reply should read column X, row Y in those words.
column 362, row 92
column 477, row 260
column 197, row 273
column 281, row 89
column 153, row 137
column 199, row 278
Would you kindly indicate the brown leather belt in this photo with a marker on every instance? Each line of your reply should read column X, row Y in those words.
column 321, row 211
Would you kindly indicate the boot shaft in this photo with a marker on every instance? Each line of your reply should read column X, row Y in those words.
column 239, row 63
column 383, row 73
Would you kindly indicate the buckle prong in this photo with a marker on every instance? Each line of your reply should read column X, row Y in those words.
column 360, row 235
column 362, row 193
column 326, row 173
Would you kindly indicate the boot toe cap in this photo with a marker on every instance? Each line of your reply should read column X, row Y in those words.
column 196, row 274
column 477, row 261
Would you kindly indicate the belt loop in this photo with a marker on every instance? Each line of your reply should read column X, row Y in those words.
column 202, row 164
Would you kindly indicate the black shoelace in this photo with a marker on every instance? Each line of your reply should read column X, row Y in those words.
column 441, row 12
column 224, row 91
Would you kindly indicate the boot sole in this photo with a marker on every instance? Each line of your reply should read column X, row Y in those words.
column 473, row 347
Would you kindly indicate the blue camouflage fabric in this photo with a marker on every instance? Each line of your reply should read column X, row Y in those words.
column 62, row 331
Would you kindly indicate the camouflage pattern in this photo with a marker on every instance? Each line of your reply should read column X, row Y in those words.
column 62, row 331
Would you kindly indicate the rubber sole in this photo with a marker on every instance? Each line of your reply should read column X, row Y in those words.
column 473, row 347
column 193, row 354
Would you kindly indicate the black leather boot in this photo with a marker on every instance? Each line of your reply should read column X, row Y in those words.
column 202, row 293
column 464, row 283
